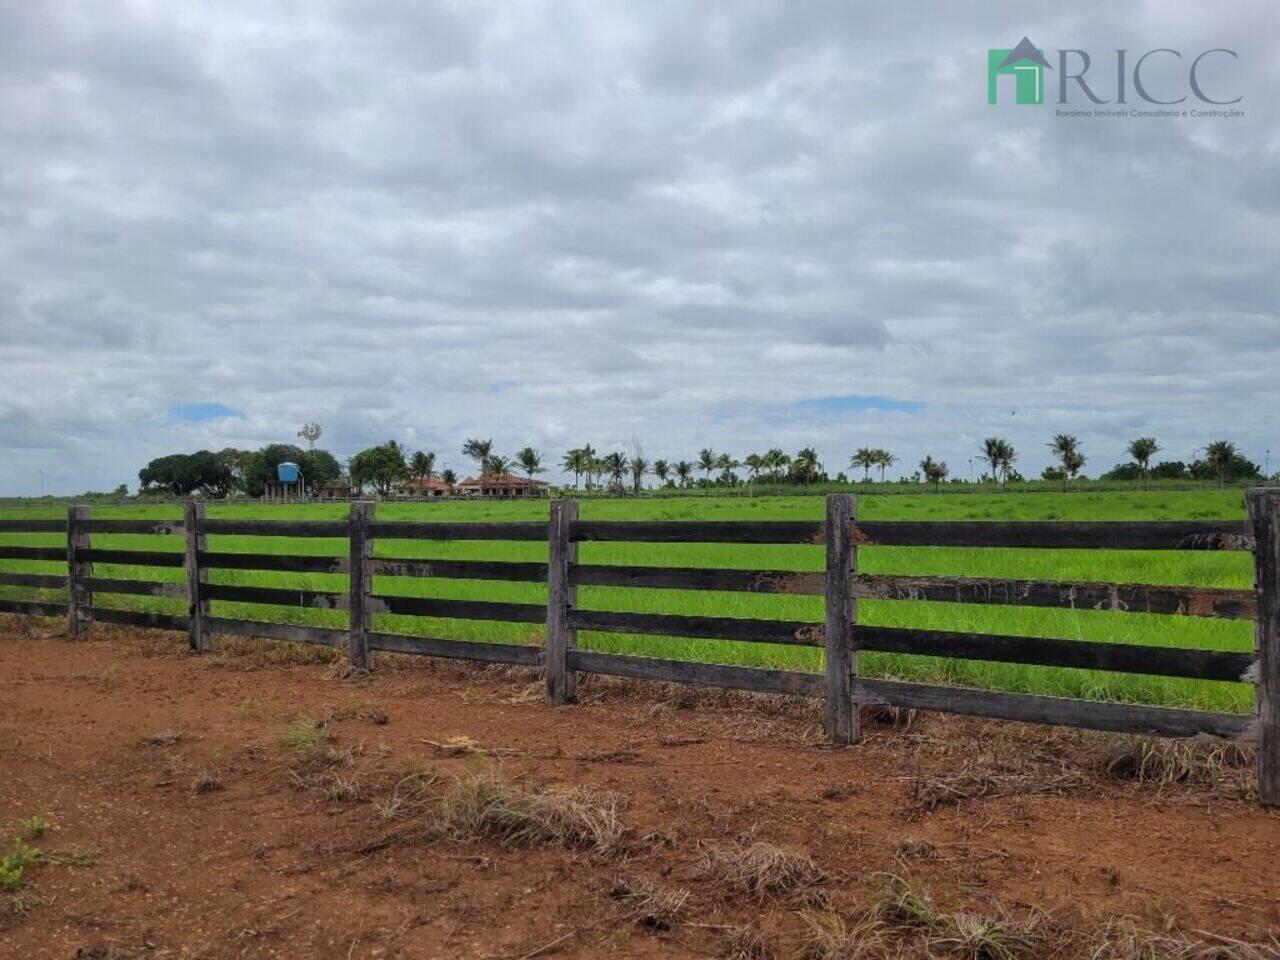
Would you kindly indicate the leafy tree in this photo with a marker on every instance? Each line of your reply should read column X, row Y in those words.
column 776, row 462
column 260, row 467
column 530, row 461
column 726, row 465
column 1170, row 470
column 1224, row 461
column 318, row 467
column 450, row 479
column 934, row 471
column 1142, row 450
column 477, row 450
column 382, row 466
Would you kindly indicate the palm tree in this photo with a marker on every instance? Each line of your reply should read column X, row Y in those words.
column 754, row 464
column 639, row 467
column 807, row 464
column 864, row 459
column 615, row 464
column 478, row 450
column 684, row 469
column 588, row 461
column 726, row 465
column 661, row 470
column 934, row 471
column 573, row 462
column 999, row 454
column 1142, row 450
column 707, row 460
column 1220, row 455
column 495, row 465
column 422, row 466
column 884, row 459
column 530, row 461
column 449, row 478
column 777, row 461
column 1066, row 447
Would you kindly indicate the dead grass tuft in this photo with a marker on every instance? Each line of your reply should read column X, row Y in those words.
column 829, row 937
column 649, row 905
column 1124, row 940
column 999, row 769
column 488, row 806
column 207, row 781
column 746, row 943
column 762, row 870
column 1222, row 767
column 163, row 738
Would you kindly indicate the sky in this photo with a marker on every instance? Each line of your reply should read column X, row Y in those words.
column 739, row 225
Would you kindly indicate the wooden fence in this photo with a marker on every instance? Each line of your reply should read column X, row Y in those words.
column 841, row 585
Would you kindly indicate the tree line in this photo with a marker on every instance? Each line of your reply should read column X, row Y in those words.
column 384, row 467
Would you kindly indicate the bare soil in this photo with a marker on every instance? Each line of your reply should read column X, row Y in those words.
column 187, row 820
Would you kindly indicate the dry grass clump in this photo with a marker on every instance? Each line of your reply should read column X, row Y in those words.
column 649, row 905
column 409, row 794
column 746, row 943
column 488, row 806
column 1125, row 940
column 762, row 870
column 1221, row 766
column 206, row 781
column 163, row 738
column 828, row 936
column 1002, row 768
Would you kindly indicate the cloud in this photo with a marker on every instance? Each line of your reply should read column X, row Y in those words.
column 557, row 223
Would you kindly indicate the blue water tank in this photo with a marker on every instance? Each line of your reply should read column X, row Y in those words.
column 287, row 472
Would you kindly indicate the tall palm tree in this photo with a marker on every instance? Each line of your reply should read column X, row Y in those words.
column 530, row 461
column 884, row 460
column 776, row 461
column 684, row 470
column 573, row 462
column 450, row 478
column 754, row 464
column 726, row 465
column 495, row 465
column 478, row 450
column 707, row 460
column 1066, row 447
column 639, row 467
column 615, row 464
column 423, row 466
column 935, row 471
column 661, row 470
column 1142, row 450
column 1220, row 455
column 588, row 461
column 1000, row 455
column 807, row 464
column 864, row 459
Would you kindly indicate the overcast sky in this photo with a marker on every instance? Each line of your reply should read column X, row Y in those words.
column 739, row 225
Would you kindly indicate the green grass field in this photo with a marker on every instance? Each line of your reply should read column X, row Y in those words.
column 1165, row 567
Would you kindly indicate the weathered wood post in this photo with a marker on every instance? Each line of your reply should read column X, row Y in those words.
column 197, row 605
column 79, row 596
column 360, row 581
column 842, row 664
column 562, row 597
column 1264, row 516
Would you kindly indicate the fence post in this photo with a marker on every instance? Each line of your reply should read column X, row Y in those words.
column 197, row 605
column 562, row 597
column 842, row 664
column 360, row 581
column 79, row 596
column 1264, row 516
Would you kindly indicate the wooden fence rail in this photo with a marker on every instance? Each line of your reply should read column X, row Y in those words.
column 839, row 635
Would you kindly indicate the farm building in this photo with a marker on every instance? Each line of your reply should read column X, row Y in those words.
column 424, row 487
column 503, row 486
column 334, row 491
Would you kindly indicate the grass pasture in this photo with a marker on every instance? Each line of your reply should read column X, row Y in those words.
column 1208, row 569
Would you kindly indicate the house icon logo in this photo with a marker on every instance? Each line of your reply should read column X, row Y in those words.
column 1026, row 64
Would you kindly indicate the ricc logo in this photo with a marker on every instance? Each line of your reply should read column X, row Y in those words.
column 1021, row 70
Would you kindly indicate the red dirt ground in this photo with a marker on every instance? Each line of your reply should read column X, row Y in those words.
column 141, row 865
